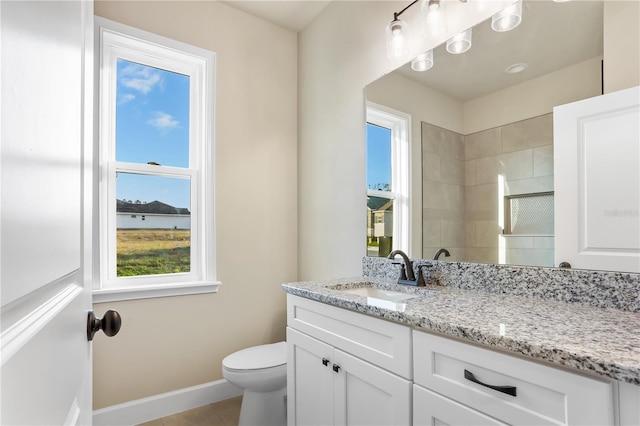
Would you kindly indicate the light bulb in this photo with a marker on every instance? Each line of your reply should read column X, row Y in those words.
column 459, row 43
column 422, row 62
column 434, row 5
column 396, row 35
column 507, row 19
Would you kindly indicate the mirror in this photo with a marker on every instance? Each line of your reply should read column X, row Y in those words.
column 483, row 123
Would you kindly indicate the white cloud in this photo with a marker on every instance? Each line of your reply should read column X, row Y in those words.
column 163, row 121
column 139, row 77
column 126, row 98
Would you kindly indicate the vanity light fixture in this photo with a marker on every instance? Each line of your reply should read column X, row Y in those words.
column 397, row 43
column 397, row 32
column 397, row 35
column 507, row 19
column 459, row 43
column 423, row 61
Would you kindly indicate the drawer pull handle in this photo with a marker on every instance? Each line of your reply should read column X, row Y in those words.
column 336, row 367
column 509, row 390
column 325, row 362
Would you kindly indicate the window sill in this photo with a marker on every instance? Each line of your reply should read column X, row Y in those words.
column 149, row 292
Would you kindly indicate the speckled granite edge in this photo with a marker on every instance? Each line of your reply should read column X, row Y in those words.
column 618, row 290
column 576, row 336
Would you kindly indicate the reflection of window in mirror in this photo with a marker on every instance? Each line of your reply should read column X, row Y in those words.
column 387, row 180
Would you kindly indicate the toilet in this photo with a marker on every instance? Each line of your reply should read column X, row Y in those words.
column 262, row 372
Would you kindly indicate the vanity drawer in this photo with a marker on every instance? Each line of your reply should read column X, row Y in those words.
column 380, row 342
column 542, row 394
column 429, row 409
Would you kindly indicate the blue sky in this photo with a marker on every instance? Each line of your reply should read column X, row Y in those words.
column 152, row 124
column 378, row 156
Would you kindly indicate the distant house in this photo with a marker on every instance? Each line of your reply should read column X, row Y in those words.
column 153, row 215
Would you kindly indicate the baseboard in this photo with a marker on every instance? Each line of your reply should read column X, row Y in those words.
column 165, row 404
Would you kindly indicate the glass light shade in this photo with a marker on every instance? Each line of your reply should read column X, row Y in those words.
column 422, row 62
column 507, row 19
column 459, row 43
column 397, row 39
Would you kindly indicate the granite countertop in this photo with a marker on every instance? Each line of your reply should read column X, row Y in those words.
column 604, row 341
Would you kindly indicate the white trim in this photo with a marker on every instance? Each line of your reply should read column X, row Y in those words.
column 112, row 294
column 400, row 125
column 165, row 404
column 22, row 330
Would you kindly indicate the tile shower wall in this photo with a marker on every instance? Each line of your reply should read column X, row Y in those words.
column 514, row 159
column 443, row 189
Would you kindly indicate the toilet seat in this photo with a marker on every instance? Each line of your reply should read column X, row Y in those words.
column 257, row 357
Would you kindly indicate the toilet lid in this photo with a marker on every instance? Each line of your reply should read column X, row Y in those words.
column 257, row 357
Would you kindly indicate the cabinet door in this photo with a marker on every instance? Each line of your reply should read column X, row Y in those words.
column 429, row 408
column 597, row 182
column 310, row 388
column 629, row 400
column 368, row 395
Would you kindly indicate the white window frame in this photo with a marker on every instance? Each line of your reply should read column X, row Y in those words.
column 400, row 125
column 114, row 40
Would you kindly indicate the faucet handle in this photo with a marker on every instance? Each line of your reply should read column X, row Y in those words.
column 403, row 271
column 420, row 278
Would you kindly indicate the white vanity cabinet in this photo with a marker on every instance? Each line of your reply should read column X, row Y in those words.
column 480, row 386
column 346, row 368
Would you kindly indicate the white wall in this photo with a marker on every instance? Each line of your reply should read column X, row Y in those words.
column 621, row 45
column 341, row 52
column 534, row 97
column 175, row 342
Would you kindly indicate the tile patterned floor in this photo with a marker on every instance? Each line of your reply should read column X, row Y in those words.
column 223, row 413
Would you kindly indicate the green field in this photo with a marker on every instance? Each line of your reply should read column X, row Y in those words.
column 152, row 251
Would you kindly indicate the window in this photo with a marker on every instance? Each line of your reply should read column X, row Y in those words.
column 155, row 150
column 529, row 214
column 387, row 180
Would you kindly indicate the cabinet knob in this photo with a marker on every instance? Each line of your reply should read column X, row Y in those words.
column 336, row 367
column 325, row 362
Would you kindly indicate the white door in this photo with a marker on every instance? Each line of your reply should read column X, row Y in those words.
column 309, row 380
column 368, row 395
column 46, row 358
column 597, row 182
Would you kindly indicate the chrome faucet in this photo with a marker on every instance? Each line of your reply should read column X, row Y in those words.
column 441, row 251
column 407, row 277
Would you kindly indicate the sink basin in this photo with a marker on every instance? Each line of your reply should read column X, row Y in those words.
column 379, row 293
column 379, row 297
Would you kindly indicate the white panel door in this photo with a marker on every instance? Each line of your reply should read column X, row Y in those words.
column 46, row 118
column 310, row 395
column 368, row 395
column 597, row 182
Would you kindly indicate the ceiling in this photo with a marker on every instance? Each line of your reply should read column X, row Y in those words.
column 550, row 37
column 293, row 15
